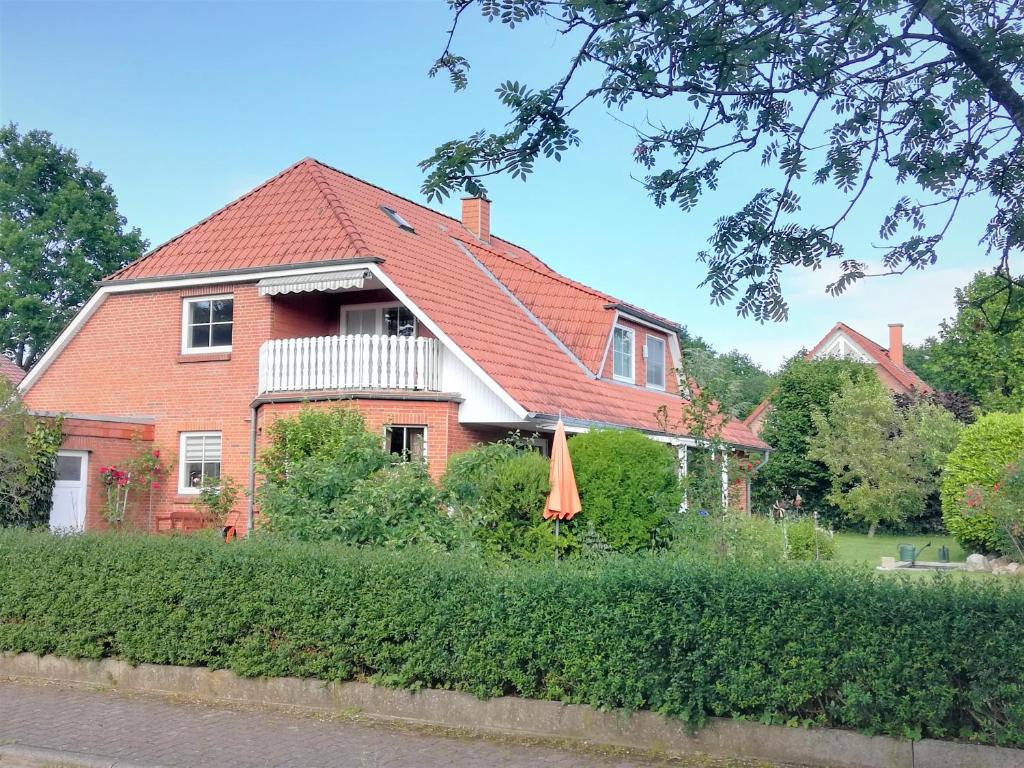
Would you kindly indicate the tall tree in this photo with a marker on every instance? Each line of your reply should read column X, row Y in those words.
column 738, row 382
column 59, row 232
column 801, row 388
column 926, row 92
column 980, row 352
column 884, row 461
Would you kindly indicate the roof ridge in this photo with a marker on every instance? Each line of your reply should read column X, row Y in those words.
column 337, row 208
column 550, row 273
column 211, row 216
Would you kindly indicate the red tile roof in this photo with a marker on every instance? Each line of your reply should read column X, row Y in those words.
column 879, row 354
column 10, row 371
column 311, row 212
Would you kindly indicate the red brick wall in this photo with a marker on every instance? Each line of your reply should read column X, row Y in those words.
column 295, row 316
column 126, row 361
column 445, row 435
column 640, row 333
column 109, row 443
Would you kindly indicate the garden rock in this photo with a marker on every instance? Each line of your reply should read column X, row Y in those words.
column 977, row 563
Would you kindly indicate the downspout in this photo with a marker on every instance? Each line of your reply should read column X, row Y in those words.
column 250, row 522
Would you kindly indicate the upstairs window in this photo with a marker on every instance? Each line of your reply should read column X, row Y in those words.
column 622, row 354
column 408, row 442
column 199, row 459
column 399, row 321
column 207, row 323
column 655, row 354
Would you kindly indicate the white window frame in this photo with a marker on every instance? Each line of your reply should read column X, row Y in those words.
column 183, row 487
column 426, row 437
column 379, row 306
column 648, row 338
column 632, row 356
column 186, row 324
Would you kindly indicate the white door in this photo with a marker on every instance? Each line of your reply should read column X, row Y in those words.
column 68, row 511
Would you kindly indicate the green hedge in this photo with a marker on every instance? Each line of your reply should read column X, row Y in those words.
column 796, row 644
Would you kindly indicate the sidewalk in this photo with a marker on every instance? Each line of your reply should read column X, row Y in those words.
column 69, row 726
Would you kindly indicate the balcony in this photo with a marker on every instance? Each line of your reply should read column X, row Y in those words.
column 354, row 362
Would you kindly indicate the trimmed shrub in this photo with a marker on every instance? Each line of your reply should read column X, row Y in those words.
column 395, row 507
column 628, row 487
column 498, row 491
column 806, row 541
column 313, row 462
column 800, row 643
column 980, row 458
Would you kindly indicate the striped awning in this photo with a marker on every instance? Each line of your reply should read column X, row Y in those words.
column 323, row 281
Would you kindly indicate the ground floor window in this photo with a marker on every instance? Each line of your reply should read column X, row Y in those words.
column 408, row 442
column 200, row 457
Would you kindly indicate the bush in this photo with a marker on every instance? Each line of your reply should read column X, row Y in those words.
column 313, row 463
column 799, row 643
column 396, row 507
column 628, row 486
column 980, row 457
column 806, row 541
column 498, row 490
column 752, row 540
column 28, row 462
column 1004, row 504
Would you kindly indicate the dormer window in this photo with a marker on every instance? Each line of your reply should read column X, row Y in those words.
column 654, row 352
column 396, row 217
column 207, row 323
column 622, row 354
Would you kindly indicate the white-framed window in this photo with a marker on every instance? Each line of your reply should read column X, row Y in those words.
column 409, row 442
column 622, row 354
column 207, row 323
column 654, row 352
column 387, row 319
column 199, row 457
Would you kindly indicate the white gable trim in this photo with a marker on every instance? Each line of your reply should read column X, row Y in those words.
column 456, row 350
column 832, row 348
column 163, row 284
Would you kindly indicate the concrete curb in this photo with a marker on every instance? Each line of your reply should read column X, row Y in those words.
column 31, row 757
column 646, row 731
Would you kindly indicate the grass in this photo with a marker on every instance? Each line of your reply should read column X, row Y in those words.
column 858, row 548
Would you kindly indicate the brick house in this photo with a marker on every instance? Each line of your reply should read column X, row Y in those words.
column 844, row 342
column 317, row 287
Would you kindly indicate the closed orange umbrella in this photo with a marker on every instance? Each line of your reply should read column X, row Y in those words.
column 563, row 499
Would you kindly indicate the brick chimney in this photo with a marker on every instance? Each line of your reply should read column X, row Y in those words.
column 896, row 343
column 476, row 217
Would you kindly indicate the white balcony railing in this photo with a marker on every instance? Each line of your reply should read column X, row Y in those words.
column 350, row 362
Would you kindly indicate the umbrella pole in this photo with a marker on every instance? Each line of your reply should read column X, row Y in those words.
column 556, row 536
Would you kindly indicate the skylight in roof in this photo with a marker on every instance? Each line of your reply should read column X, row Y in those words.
column 392, row 214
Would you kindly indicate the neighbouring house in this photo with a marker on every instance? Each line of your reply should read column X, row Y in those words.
column 844, row 342
column 319, row 288
column 11, row 371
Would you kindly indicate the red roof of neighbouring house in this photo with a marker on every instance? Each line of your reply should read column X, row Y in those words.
column 879, row 354
column 312, row 212
column 10, row 371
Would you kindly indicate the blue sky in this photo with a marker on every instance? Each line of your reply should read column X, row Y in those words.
column 187, row 105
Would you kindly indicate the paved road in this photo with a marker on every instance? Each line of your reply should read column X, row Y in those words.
column 147, row 731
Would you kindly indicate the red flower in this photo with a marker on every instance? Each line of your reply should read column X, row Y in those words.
column 156, row 454
column 156, row 484
column 750, row 466
column 996, row 487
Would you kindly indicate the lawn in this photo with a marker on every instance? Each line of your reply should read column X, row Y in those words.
column 858, row 548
